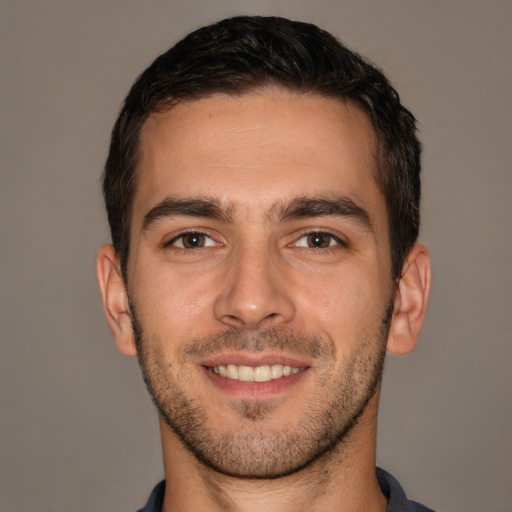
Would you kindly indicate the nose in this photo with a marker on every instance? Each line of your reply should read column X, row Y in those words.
column 254, row 292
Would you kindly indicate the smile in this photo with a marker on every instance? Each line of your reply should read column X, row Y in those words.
column 254, row 374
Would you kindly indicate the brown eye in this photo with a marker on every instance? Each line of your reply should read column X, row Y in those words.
column 319, row 240
column 192, row 240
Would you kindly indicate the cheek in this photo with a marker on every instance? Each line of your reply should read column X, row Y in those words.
column 341, row 304
column 174, row 304
column 335, row 291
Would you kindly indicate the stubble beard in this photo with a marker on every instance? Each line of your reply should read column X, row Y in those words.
column 335, row 406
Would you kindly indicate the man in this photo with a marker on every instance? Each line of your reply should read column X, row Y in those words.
column 262, row 189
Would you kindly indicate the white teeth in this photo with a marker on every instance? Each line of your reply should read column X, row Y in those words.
column 262, row 373
column 245, row 373
column 232, row 372
column 254, row 374
column 277, row 371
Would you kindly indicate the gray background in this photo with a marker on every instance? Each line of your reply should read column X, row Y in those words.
column 77, row 431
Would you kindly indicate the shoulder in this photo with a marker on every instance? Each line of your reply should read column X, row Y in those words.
column 155, row 500
column 397, row 499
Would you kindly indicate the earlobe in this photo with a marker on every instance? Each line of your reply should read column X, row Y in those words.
column 115, row 299
column 410, row 302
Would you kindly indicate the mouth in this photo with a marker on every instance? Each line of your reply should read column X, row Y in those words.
column 262, row 373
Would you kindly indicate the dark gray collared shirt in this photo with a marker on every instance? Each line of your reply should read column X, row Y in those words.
column 397, row 500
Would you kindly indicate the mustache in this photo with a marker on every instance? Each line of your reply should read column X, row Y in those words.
column 269, row 339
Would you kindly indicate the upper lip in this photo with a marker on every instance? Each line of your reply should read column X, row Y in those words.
column 254, row 359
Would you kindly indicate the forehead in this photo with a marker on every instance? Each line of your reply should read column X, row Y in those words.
column 257, row 149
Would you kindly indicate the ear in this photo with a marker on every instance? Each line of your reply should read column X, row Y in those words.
column 410, row 302
column 115, row 299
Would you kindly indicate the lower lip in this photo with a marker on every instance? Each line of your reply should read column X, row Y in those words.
column 265, row 389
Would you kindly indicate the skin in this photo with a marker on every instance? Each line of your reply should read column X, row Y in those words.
column 257, row 277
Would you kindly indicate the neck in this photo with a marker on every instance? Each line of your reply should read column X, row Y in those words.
column 342, row 479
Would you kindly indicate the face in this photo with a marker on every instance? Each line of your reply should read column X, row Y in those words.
column 260, row 276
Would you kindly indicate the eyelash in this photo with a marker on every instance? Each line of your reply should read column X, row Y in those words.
column 331, row 237
column 191, row 233
column 333, row 241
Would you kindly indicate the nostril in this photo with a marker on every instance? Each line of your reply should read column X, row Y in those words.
column 233, row 319
column 248, row 320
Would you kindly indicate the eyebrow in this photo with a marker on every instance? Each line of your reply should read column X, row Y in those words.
column 201, row 207
column 299, row 208
column 340, row 206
